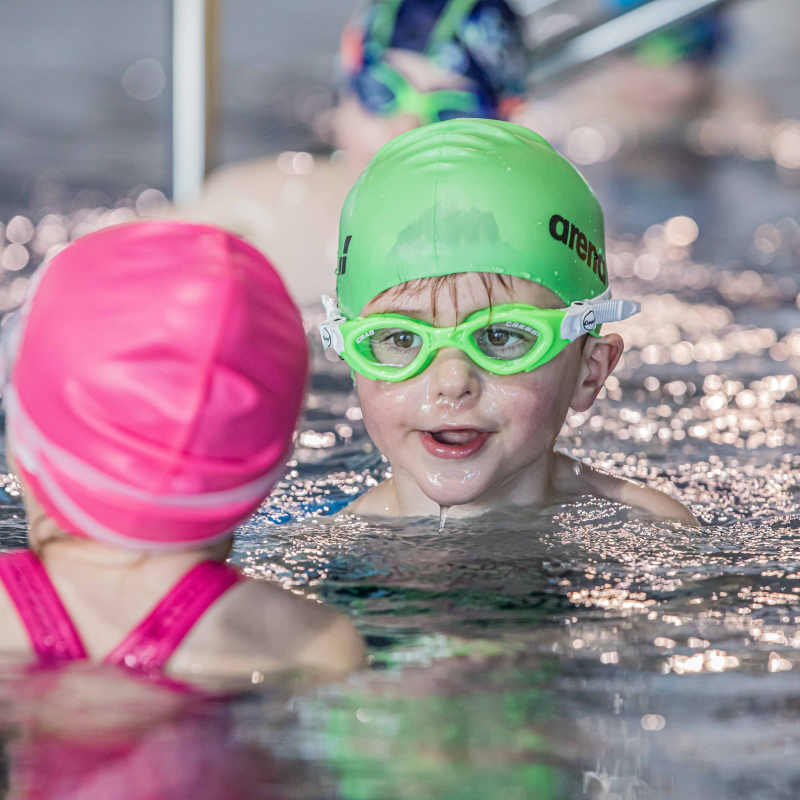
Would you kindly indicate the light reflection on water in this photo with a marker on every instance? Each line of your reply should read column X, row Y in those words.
column 575, row 651
column 578, row 651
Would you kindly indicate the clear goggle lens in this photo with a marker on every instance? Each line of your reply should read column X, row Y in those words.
column 394, row 347
column 506, row 341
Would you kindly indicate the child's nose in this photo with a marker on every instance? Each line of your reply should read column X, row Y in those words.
column 454, row 375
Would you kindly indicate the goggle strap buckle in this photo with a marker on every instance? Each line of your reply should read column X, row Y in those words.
column 585, row 315
column 329, row 328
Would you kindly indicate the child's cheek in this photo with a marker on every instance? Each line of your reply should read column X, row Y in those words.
column 531, row 403
column 384, row 407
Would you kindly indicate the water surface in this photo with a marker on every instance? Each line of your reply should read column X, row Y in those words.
column 567, row 652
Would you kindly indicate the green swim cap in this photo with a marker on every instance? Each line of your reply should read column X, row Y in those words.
column 470, row 195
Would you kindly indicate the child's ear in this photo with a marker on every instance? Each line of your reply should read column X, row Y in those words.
column 600, row 356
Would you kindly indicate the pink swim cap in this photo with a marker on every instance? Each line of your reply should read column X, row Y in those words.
column 157, row 385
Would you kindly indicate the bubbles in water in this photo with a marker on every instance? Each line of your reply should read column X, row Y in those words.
column 19, row 230
column 653, row 722
column 150, row 202
column 293, row 163
column 15, row 258
column 144, row 80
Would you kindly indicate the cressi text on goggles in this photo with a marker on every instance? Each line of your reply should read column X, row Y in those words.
column 502, row 340
column 383, row 90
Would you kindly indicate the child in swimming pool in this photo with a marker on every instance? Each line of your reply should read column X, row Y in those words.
column 471, row 285
column 158, row 375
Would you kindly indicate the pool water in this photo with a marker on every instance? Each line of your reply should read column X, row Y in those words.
column 567, row 652
column 578, row 651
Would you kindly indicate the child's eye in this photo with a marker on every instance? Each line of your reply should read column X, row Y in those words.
column 395, row 346
column 505, row 341
column 497, row 337
column 404, row 339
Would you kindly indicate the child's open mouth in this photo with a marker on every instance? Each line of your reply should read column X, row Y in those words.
column 454, row 442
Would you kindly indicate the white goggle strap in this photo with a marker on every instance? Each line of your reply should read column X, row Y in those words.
column 329, row 329
column 585, row 315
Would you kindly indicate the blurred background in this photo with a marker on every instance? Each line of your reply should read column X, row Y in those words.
column 538, row 646
column 85, row 96
column 697, row 122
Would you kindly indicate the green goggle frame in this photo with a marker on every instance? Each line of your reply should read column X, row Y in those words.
column 430, row 107
column 503, row 340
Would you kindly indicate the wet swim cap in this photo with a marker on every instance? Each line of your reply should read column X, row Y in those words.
column 470, row 195
column 157, row 384
column 480, row 39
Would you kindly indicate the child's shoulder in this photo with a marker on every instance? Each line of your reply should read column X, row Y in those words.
column 260, row 627
column 621, row 490
column 379, row 501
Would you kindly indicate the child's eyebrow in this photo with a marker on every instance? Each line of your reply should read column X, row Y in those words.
column 405, row 312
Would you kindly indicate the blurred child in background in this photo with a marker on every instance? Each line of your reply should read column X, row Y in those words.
column 403, row 64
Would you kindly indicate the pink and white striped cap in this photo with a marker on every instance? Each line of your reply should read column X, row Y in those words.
column 156, row 386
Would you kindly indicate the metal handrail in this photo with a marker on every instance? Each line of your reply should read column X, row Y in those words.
column 615, row 34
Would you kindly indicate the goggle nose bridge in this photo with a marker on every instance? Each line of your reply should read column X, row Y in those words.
column 440, row 338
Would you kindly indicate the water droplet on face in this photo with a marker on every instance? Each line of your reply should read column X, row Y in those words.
column 576, row 468
column 443, row 516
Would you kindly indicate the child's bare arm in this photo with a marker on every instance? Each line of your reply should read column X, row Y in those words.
column 338, row 649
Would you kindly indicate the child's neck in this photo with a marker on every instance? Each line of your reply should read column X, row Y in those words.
column 533, row 485
column 52, row 544
column 98, row 555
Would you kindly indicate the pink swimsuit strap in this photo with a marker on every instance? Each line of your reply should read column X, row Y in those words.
column 146, row 649
column 52, row 634
column 149, row 646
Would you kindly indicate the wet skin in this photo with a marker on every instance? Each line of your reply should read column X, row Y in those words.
column 459, row 436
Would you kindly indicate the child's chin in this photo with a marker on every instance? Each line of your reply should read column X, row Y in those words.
column 451, row 496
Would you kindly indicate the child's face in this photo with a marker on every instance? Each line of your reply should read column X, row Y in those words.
column 464, row 435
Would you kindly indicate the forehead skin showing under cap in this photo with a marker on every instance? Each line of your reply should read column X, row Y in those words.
column 466, row 293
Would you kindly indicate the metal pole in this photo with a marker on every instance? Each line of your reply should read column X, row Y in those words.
column 212, row 45
column 616, row 34
column 195, row 25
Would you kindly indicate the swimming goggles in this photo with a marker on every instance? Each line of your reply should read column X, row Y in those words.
column 383, row 90
column 503, row 340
